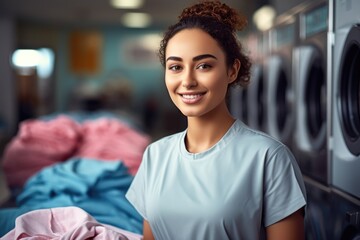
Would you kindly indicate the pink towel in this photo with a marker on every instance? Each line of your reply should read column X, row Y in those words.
column 109, row 139
column 65, row 223
column 39, row 144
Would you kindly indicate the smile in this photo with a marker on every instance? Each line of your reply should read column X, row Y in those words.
column 191, row 98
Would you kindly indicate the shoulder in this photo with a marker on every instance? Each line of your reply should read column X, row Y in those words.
column 276, row 156
column 165, row 142
column 164, row 148
column 253, row 139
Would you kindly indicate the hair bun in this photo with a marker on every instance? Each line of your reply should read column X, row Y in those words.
column 218, row 10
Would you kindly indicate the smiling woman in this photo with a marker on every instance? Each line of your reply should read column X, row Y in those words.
column 218, row 179
column 195, row 71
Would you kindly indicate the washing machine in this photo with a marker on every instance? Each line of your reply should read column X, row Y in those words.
column 310, row 67
column 311, row 59
column 258, row 46
column 319, row 211
column 346, row 98
column 242, row 105
column 238, row 103
column 279, row 79
column 346, row 217
column 345, row 135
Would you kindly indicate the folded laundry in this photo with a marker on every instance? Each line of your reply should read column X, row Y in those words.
column 65, row 223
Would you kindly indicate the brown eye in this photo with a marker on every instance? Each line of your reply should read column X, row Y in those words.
column 203, row 66
column 175, row 68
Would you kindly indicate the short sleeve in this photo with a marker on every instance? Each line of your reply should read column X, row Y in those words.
column 284, row 189
column 137, row 190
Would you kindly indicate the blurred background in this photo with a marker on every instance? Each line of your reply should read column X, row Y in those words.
column 88, row 59
column 90, row 52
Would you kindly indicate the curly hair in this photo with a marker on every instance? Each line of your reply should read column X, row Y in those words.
column 219, row 21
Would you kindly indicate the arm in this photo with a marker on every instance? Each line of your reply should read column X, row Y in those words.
column 147, row 233
column 289, row 228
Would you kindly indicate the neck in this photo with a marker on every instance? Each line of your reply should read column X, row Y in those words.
column 205, row 132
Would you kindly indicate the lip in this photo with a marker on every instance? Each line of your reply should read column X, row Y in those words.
column 191, row 98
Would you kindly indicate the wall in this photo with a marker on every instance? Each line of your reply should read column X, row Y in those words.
column 282, row 6
column 7, row 85
column 119, row 59
column 146, row 77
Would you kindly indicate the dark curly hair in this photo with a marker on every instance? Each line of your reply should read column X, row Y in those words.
column 219, row 21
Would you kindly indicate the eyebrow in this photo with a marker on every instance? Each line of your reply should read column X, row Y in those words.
column 196, row 58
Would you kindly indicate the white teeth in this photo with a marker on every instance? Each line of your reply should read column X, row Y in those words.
column 191, row 96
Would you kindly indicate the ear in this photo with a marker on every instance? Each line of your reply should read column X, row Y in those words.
column 234, row 71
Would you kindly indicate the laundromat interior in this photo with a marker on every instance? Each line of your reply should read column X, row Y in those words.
column 83, row 78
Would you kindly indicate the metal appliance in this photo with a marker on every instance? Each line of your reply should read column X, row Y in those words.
column 310, row 147
column 279, row 79
column 310, row 67
column 242, row 105
column 345, row 215
column 346, row 98
column 258, row 47
column 319, row 216
column 345, row 127
column 238, row 103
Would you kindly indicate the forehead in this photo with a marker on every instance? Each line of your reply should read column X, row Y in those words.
column 193, row 42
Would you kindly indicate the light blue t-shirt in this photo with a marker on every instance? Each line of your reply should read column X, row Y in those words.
column 244, row 183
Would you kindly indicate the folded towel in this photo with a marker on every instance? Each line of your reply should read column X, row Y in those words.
column 65, row 223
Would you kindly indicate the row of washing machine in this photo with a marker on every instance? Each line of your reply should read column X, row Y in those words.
column 305, row 91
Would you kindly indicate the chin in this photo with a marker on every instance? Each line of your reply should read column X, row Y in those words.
column 192, row 114
column 189, row 114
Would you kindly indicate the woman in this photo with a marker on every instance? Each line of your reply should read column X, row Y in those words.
column 218, row 179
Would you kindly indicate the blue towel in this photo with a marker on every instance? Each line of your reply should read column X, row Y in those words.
column 96, row 186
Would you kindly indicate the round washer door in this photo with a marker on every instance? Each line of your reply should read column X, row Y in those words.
column 280, row 99
column 260, row 100
column 244, row 105
column 313, row 97
column 349, row 86
column 256, row 98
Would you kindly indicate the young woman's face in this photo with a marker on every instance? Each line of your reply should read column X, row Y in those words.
column 196, row 74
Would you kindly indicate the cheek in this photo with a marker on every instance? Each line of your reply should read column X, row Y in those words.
column 218, row 82
column 171, row 81
column 170, row 86
column 167, row 83
column 220, row 87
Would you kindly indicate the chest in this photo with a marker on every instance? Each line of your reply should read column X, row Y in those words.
column 218, row 190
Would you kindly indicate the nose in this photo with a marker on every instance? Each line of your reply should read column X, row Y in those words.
column 189, row 80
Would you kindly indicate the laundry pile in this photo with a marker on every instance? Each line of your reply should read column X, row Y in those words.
column 61, row 162
column 67, row 223
column 40, row 143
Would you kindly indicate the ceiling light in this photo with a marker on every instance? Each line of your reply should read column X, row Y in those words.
column 46, row 63
column 26, row 58
column 151, row 41
column 264, row 17
column 136, row 20
column 126, row 4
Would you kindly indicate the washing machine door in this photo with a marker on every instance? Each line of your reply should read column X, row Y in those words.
column 235, row 102
column 349, row 86
column 244, row 104
column 310, row 99
column 256, row 98
column 279, row 99
column 239, row 103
